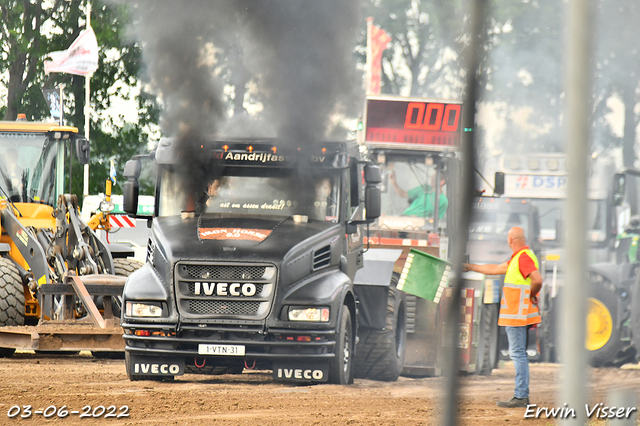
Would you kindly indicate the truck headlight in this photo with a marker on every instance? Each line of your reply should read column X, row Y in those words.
column 135, row 309
column 309, row 314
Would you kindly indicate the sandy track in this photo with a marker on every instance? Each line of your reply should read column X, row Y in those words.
column 253, row 398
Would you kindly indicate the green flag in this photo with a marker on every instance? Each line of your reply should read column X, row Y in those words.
column 424, row 275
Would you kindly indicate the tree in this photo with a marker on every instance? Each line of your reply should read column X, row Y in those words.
column 424, row 54
column 24, row 45
column 617, row 75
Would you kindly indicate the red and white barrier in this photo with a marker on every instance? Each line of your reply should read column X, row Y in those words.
column 121, row 221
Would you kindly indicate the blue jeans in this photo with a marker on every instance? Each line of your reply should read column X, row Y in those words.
column 518, row 352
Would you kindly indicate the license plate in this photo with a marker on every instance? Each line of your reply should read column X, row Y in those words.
column 234, row 350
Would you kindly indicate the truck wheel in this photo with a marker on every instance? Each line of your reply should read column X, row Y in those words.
column 136, row 377
column 603, row 342
column 487, row 349
column 380, row 353
column 341, row 366
column 11, row 299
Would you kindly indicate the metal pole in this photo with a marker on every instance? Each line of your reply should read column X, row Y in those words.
column 61, row 119
column 574, row 373
column 369, row 58
column 463, row 216
column 87, row 102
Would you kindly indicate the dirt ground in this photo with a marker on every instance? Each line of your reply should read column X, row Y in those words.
column 253, row 398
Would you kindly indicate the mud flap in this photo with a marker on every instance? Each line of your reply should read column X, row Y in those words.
column 313, row 372
column 155, row 366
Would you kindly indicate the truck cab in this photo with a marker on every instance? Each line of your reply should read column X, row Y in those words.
column 253, row 248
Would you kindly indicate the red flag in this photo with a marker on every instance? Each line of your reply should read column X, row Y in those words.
column 81, row 58
column 379, row 39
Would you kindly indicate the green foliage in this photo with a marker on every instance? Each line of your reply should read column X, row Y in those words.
column 425, row 51
column 22, row 72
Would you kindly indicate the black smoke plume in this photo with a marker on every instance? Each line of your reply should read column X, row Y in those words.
column 300, row 53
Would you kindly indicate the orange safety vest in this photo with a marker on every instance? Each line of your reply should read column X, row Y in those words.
column 516, row 309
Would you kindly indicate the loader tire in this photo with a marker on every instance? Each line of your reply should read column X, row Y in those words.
column 487, row 349
column 11, row 294
column 380, row 353
column 122, row 268
column 604, row 346
column 126, row 267
column 11, row 299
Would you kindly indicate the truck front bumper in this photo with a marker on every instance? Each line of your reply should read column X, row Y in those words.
column 289, row 353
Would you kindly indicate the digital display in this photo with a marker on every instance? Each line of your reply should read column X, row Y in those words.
column 413, row 122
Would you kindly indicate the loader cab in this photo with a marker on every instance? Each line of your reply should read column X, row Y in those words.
column 33, row 158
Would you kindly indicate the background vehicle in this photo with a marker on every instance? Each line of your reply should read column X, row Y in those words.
column 55, row 275
column 541, row 178
column 416, row 143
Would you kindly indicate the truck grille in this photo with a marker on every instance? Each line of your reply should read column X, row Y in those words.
column 219, row 307
column 225, row 272
column 224, row 291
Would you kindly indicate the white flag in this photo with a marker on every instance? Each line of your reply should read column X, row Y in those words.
column 81, row 58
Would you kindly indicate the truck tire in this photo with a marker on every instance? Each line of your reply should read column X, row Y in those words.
column 380, row 353
column 12, row 309
column 136, row 377
column 341, row 366
column 487, row 350
column 604, row 346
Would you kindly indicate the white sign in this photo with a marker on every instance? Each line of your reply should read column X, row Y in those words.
column 535, row 186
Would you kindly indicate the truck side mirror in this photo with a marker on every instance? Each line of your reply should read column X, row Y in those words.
column 131, row 187
column 82, row 149
column 372, row 174
column 619, row 184
column 498, row 183
column 372, row 193
column 372, row 202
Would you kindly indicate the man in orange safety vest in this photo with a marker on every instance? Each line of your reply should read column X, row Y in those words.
column 518, row 309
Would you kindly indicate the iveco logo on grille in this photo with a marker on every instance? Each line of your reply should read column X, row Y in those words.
column 225, row 289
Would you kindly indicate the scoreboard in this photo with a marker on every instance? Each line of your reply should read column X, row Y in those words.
column 424, row 124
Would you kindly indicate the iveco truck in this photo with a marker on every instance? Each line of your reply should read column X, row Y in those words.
column 251, row 258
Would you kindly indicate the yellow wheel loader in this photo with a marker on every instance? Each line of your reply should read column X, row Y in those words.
column 60, row 285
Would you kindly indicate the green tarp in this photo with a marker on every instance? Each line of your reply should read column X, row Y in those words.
column 424, row 275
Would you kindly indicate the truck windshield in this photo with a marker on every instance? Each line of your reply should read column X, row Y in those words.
column 27, row 167
column 493, row 224
column 409, row 194
column 551, row 213
column 311, row 193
